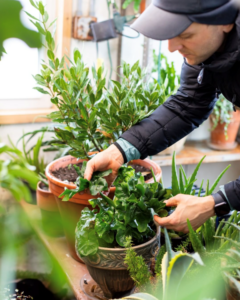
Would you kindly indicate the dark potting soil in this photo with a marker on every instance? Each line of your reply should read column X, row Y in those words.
column 69, row 173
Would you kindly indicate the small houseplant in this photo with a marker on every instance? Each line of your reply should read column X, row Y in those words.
column 101, row 235
column 224, row 125
column 91, row 115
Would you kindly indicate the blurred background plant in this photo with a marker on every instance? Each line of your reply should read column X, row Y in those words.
column 222, row 113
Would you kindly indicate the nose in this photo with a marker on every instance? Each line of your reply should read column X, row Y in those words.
column 174, row 45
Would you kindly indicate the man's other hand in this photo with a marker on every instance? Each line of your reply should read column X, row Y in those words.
column 196, row 209
column 111, row 158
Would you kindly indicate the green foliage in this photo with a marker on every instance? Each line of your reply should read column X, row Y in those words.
column 184, row 185
column 137, row 267
column 32, row 156
column 136, row 4
column 158, row 265
column 195, row 240
column 13, row 171
column 129, row 214
column 222, row 114
column 12, row 27
column 91, row 115
column 168, row 75
column 96, row 185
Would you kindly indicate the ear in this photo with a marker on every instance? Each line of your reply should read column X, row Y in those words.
column 227, row 28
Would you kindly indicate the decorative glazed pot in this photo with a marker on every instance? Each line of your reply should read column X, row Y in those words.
column 70, row 210
column 218, row 140
column 147, row 163
column 51, row 219
column 107, row 267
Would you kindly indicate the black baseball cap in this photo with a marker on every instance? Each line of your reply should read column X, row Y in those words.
column 166, row 19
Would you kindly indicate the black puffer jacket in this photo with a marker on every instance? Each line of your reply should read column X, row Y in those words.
column 193, row 103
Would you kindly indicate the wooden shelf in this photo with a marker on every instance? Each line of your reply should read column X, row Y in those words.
column 8, row 117
column 194, row 151
column 57, row 247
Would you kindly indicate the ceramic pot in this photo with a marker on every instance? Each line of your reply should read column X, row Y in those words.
column 51, row 219
column 107, row 267
column 70, row 210
column 218, row 140
column 147, row 163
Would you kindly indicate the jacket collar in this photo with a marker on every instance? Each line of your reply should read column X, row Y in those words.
column 224, row 60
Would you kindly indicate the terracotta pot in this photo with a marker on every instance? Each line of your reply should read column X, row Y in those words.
column 142, row 6
column 71, row 210
column 51, row 220
column 107, row 267
column 147, row 163
column 218, row 140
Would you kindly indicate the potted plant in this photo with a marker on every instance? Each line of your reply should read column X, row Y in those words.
column 51, row 220
column 224, row 125
column 91, row 116
column 101, row 235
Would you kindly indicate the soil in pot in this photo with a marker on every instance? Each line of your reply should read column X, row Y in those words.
column 51, row 219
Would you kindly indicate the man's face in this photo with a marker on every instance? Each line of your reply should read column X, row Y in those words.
column 199, row 41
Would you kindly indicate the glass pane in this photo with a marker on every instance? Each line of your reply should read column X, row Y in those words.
column 19, row 64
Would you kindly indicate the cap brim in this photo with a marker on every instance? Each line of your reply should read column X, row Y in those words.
column 159, row 24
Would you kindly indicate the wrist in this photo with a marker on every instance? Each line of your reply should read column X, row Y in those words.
column 116, row 154
column 209, row 205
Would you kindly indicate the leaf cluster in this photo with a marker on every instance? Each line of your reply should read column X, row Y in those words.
column 96, row 185
column 183, row 185
column 130, row 213
column 168, row 74
column 91, row 114
column 14, row 170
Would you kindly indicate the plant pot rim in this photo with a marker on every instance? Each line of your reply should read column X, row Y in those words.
column 54, row 179
column 42, row 190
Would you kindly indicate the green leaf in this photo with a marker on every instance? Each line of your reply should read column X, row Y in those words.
column 218, row 179
column 135, row 66
column 41, row 90
column 101, row 84
column 193, row 177
column 175, row 184
column 196, row 243
column 41, row 8
column 76, row 55
column 12, row 26
column 50, row 54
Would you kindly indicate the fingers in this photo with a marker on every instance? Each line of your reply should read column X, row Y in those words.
column 89, row 170
column 174, row 201
column 164, row 222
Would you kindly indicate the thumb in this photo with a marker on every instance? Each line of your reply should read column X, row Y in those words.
column 162, row 221
column 174, row 201
column 89, row 170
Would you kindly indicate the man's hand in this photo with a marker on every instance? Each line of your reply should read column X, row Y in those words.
column 196, row 209
column 111, row 158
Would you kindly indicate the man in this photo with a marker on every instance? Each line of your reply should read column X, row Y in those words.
column 207, row 34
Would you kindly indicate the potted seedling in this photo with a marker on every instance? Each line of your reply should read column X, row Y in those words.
column 101, row 234
column 224, row 125
column 91, row 117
